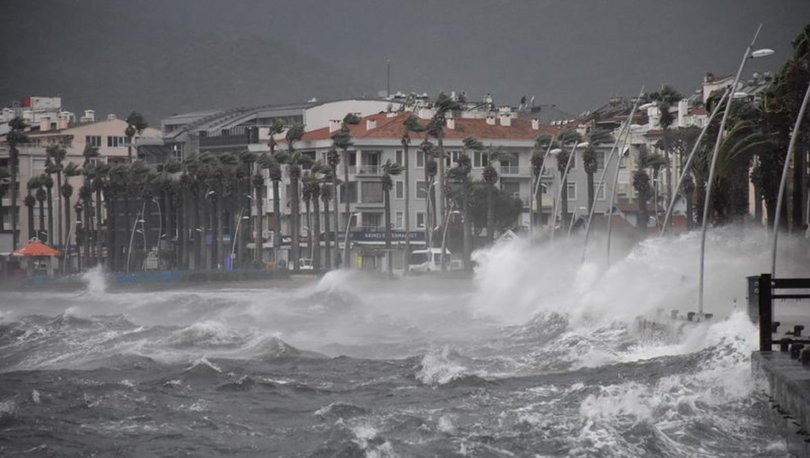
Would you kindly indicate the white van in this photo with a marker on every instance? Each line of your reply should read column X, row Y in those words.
column 430, row 260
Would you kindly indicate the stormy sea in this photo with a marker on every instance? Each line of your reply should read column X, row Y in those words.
column 536, row 355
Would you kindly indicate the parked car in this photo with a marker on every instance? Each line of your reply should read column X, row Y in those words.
column 305, row 264
column 430, row 260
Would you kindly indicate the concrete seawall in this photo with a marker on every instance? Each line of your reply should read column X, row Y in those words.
column 789, row 393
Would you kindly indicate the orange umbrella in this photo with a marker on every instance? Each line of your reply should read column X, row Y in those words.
column 35, row 248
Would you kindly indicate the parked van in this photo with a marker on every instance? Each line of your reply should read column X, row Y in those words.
column 430, row 260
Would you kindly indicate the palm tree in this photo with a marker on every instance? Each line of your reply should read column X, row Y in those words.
column 272, row 164
column 294, row 161
column 411, row 124
column 327, row 194
column 56, row 154
column 333, row 159
column 264, row 161
column 667, row 97
column 389, row 169
column 114, row 194
column 641, row 183
column 342, row 139
column 428, row 152
column 567, row 136
column 5, row 177
column 14, row 137
column 42, row 195
column 461, row 175
column 47, row 183
column 30, row 202
column 589, row 159
column 490, row 175
column 443, row 105
column 136, row 123
column 66, row 190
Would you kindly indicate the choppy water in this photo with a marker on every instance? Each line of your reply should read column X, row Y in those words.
column 537, row 356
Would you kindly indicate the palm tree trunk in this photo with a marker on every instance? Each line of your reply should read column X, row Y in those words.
column 309, row 227
column 51, row 238
column 258, row 250
column 87, row 226
column 490, row 213
column 388, row 252
column 218, row 240
column 66, row 243
column 316, row 239
column 79, row 237
column 328, row 261
column 335, row 255
column 668, row 170
column 563, row 206
column 407, row 207
column 13, row 159
column 99, row 255
column 439, row 203
column 591, row 191
column 465, row 214
column 296, row 214
column 276, row 221
column 344, row 193
column 41, row 217
column 112, row 255
column 61, row 239
column 198, row 230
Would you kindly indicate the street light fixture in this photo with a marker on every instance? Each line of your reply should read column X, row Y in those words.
column 748, row 55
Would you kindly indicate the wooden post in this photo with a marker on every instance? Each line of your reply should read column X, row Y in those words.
column 765, row 313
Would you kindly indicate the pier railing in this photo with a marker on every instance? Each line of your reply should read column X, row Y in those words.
column 768, row 289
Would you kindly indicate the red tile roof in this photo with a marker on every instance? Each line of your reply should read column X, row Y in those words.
column 391, row 127
column 699, row 111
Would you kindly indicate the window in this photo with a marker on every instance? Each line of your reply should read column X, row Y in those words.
column 372, row 192
column 420, row 219
column 421, row 190
column 511, row 189
column 420, row 159
column 373, row 219
column 116, row 142
column 37, row 165
column 600, row 160
column 352, row 158
column 399, row 156
column 600, row 191
column 399, row 189
column 480, row 159
column 177, row 151
column 399, row 220
column 350, row 192
column 572, row 191
column 93, row 140
column 451, row 158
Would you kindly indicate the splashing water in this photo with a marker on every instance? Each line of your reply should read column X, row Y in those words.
column 539, row 354
column 95, row 281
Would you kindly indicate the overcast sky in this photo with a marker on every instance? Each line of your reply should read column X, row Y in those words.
column 165, row 57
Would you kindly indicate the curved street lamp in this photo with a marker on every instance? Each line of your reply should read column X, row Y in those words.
column 346, row 241
column 791, row 146
column 557, row 207
column 748, row 55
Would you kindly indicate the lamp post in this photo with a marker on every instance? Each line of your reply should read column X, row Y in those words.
column 444, row 233
column 573, row 218
column 686, row 166
column 346, row 240
column 706, row 202
column 236, row 235
column 557, row 207
column 160, row 222
column 625, row 129
column 537, row 188
column 793, row 136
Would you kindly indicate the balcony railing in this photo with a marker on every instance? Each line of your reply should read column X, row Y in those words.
column 513, row 170
column 367, row 170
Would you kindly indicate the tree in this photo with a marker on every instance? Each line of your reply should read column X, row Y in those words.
column 47, row 184
column 411, row 124
column 589, row 160
column 294, row 161
column 507, row 208
column 460, row 175
column 389, row 169
column 327, row 195
column 15, row 136
column 56, row 154
column 444, row 104
column 641, row 183
column 342, row 139
column 428, row 152
column 568, row 136
column 274, row 173
column 136, row 123
column 333, row 159
column 5, row 177
column 667, row 97
column 312, row 189
column 66, row 190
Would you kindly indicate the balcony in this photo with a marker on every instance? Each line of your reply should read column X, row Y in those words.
column 366, row 170
column 515, row 171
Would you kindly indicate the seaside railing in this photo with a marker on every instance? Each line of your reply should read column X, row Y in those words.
column 768, row 289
